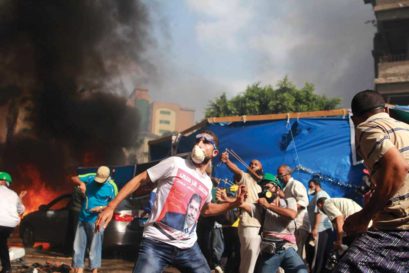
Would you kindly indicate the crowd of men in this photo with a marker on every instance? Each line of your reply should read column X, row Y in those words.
column 279, row 228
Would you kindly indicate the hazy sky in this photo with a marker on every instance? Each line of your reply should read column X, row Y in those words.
column 202, row 48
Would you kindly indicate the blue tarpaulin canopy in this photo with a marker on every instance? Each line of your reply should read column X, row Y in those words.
column 314, row 144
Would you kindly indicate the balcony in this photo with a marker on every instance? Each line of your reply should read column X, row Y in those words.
column 393, row 69
column 391, row 10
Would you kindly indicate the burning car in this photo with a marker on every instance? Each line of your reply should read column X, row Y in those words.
column 50, row 224
column 53, row 222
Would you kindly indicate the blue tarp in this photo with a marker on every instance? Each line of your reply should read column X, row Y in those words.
column 319, row 147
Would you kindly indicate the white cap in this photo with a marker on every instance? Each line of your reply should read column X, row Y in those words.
column 102, row 174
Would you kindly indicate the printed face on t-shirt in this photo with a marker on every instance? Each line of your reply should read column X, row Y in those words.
column 192, row 212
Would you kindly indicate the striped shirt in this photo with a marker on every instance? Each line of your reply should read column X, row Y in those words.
column 374, row 138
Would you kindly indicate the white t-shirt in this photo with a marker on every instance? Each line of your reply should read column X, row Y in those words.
column 182, row 190
column 10, row 207
column 335, row 207
column 296, row 190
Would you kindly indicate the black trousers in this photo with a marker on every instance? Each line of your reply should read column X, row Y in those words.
column 4, row 250
column 325, row 244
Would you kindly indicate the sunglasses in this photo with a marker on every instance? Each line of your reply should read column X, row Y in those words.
column 207, row 139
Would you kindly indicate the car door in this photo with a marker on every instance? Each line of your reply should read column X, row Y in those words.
column 54, row 221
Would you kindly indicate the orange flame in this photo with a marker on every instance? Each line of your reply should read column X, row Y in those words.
column 37, row 192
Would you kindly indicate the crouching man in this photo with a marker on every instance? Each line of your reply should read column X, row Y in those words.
column 278, row 245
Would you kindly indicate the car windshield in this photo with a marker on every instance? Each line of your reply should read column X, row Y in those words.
column 59, row 203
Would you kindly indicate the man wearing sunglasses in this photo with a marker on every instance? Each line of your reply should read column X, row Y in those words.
column 177, row 180
column 383, row 143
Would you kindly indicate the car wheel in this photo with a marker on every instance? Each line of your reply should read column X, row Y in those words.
column 28, row 237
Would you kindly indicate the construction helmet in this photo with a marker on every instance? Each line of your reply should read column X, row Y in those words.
column 6, row 177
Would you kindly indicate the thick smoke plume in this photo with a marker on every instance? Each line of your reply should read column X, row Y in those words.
column 61, row 64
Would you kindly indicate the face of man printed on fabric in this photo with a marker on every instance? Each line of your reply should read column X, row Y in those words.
column 192, row 212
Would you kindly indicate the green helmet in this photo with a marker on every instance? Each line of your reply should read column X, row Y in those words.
column 6, row 177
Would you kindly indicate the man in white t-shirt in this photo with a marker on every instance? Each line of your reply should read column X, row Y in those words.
column 295, row 189
column 337, row 210
column 166, row 241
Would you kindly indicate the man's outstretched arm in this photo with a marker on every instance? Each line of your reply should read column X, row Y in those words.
column 211, row 209
column 106, row 215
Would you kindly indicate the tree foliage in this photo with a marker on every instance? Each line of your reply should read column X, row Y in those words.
column 257, row 100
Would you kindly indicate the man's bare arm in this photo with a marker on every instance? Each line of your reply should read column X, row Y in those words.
column 233, row 167
column 393, row 170
column 286, row 212
column 314, row 230
column 338, row 224
column 211, row 209
column 76, row 180
column 106, row 215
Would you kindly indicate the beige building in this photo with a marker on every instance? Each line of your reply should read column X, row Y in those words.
column 391, row 49
column 169, row 117
column 156, row 119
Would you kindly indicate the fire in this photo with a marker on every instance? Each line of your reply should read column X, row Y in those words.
column 89, row 159
column 37, row 191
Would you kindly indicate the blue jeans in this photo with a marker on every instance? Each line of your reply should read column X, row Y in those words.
column 86, row 236
column 288, row 259
column 154, row 256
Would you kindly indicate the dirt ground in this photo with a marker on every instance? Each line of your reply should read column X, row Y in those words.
column 45, row 260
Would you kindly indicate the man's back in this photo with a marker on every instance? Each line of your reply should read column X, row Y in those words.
column 335, row 207
column 375, row 137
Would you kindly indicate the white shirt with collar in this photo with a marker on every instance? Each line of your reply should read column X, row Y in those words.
column 296, row 190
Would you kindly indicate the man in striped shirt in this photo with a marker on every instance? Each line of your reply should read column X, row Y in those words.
column 383, row 143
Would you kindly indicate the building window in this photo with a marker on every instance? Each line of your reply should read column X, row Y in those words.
column 162, row 121
column 164, row 112
column 165, row 132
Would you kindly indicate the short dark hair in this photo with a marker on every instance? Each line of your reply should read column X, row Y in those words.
column 216, row 139
column 315, row 182
column 321, row 200
column 366, row 101
column 196, row 198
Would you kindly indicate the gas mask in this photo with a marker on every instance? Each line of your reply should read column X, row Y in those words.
column 198, row 155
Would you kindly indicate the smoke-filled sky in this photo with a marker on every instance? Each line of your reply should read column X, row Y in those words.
column 206, row 47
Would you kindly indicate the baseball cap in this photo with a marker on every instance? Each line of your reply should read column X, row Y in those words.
column 102, row 174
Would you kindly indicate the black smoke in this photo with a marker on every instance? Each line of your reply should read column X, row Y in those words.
column 66, row 58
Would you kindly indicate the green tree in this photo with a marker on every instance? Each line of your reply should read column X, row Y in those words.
column 258, row 100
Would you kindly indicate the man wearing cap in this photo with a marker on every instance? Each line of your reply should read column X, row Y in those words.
column 383, row 143
column 177, row 180
column 278, row 244
column 99, row 189
column 11, row 208
column 249, row 227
